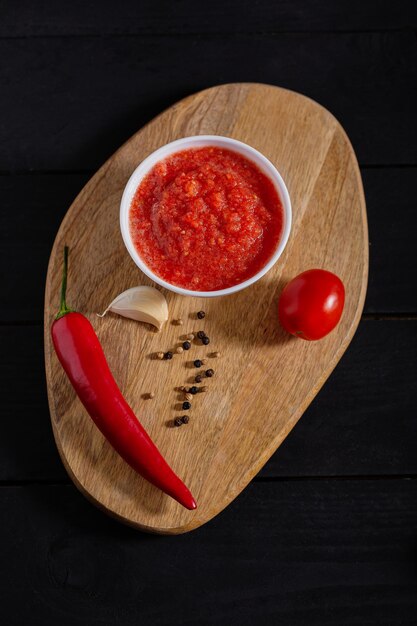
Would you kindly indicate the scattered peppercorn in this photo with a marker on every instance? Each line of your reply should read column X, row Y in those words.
column 179, row 350
column 190, row 337
column 178, row 421
column 193, row 390
column 159, row 355
column 198, row 363
column 209, row 373
column 205, row 341
column 185, row 419
column 201, row 334
column 189, row 396
column 186, row 345
column 198, row 378
column 168, row 356
column 201, row 315
column 186, row 406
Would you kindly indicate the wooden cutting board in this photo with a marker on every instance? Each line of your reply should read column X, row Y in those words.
column 264, row 379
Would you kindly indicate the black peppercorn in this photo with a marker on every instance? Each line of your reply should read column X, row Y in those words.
column 201, row 334
column 178, row 421
column 209, row 373
column 205, row 341
column 201, row 315
column 197, row 363
column 186, row 406
column 186, row 345
column 185, row 419
column 198, row 378
column 193, row 390
column 168, row 355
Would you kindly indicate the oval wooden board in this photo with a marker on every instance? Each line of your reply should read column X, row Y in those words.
column 264, row 379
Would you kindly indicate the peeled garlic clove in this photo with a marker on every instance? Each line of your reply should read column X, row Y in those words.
column 144, row 304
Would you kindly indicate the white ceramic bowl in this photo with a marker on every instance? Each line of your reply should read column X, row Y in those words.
column 200, row 141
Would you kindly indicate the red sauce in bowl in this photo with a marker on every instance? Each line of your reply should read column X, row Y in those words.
column 205, row 219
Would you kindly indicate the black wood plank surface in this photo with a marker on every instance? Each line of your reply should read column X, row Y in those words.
column 46, row 17
column 326, row 534
column 363, row 422
column 392, row 222
column 34, row 205
column 334, row 553
column 87, row 95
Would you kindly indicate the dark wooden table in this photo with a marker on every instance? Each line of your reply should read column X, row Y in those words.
column 327, row 533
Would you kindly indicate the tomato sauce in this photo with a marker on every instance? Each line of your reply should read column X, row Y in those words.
column 205, row 219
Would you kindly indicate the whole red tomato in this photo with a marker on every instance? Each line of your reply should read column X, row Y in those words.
column 311, row 305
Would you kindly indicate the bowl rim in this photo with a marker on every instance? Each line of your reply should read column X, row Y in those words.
column 184, row 143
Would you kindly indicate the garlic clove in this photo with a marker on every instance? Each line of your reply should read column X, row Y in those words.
column 143, row 303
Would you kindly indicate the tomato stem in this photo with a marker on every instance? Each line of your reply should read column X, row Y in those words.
column 63, row 310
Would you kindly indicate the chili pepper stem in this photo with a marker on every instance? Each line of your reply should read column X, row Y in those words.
column 63, row 310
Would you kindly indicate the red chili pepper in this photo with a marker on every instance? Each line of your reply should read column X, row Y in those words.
column 83, row 360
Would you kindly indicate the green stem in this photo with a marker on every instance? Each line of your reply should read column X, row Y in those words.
column 63, row 306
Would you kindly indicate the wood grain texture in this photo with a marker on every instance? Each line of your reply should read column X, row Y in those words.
column 361, row 77
column 362, row 422
column 235, row 427
column 187, row 17
column 33, row 205
column 309, row 553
